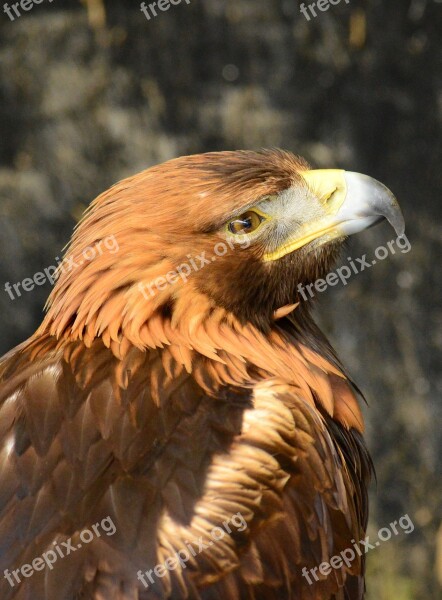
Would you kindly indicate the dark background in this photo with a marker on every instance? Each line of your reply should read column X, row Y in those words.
column 92, row 92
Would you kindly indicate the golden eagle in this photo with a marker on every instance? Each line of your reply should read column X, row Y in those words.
column 179, row 404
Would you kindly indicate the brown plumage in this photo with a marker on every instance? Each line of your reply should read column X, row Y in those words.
column 170, row 412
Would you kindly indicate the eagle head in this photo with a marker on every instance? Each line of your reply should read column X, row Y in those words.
column 243, row 229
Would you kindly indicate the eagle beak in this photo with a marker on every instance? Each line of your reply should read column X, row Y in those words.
column 351, row 202
column 367, row 202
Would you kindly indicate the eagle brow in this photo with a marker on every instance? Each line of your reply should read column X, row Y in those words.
column 212, row 227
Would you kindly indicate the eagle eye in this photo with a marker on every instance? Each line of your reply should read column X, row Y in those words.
column 245, row 223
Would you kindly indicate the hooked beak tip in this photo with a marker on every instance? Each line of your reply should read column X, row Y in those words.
column 371, row 202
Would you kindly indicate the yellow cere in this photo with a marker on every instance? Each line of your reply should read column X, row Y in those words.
column 330, row 188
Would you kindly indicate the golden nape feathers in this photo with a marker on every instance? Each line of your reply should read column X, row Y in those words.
column 178, row 427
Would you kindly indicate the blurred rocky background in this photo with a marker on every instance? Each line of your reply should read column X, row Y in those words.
column 91, row 92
